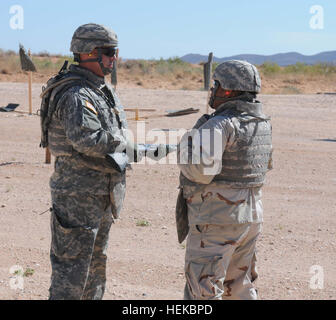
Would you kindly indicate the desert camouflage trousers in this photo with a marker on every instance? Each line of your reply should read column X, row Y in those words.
column 80, row 226
column 220, row 262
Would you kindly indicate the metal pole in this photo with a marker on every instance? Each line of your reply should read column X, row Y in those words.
column 114, row 78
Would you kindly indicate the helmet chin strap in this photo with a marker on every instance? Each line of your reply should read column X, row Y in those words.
column 104, row 70
column 245, row 96
column 213, row 96
column 226, row 99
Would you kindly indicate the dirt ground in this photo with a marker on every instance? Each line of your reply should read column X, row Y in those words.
column 146, row 262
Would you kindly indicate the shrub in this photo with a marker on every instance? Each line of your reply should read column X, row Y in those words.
column 43, row 54
column 270, row 68
column 142, row 223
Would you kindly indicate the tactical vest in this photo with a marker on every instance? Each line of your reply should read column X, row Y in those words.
column 50, row 95
column 105, row 178
column 53, row 134
column 246, row 161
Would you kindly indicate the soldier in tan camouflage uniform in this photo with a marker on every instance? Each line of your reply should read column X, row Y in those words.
column 223, row 191
column 83, row 122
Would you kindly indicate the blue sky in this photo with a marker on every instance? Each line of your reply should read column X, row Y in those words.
column 153, row 29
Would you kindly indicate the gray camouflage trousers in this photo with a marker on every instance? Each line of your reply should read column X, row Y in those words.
column 80, row 226
column 220, row 262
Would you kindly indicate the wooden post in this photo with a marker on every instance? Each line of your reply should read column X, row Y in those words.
column 30, row 81
column 207, row 78
column 47, row 156
column 136, row 111
column 207, row 68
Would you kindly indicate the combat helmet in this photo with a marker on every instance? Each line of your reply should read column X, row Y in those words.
column 238, row 76
column 90, row 36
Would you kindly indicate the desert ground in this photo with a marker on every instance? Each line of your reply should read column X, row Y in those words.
column 146, row 262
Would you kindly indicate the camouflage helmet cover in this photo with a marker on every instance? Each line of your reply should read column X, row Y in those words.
column 90, row 36
column 238, row 75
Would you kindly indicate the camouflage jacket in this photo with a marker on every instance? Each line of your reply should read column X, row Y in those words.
column 221, row 201
column 88, row 123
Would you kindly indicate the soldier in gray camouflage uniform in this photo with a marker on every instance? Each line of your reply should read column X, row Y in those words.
column 86, row 122
column 224, row 205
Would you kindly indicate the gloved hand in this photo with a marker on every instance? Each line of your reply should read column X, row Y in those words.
column 133, row 153
column 157, row 154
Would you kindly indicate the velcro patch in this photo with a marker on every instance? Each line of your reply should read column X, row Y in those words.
column 89, row 106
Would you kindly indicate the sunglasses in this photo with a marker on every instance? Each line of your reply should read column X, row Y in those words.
column 109, row 51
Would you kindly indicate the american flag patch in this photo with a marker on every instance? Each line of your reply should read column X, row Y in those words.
column 89, row 106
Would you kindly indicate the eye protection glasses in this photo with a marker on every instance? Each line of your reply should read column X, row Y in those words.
column 110, row 51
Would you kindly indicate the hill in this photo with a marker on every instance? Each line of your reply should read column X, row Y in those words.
column 282, row 59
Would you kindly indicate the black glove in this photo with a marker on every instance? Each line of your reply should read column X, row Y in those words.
column 157, row 152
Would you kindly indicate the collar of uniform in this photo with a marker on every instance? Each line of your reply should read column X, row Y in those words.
column 250, row 108
column 87, row 74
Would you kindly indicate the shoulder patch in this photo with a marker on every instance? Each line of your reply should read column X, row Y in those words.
column 89, row 106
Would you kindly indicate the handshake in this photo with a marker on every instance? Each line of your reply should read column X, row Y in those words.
column 135, row 152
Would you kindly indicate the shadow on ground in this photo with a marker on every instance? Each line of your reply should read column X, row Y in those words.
column 326, row 140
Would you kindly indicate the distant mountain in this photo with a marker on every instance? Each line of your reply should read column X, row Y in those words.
column 282, row 59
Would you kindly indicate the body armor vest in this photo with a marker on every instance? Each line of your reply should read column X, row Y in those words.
column 246, row 161
column 109, row 107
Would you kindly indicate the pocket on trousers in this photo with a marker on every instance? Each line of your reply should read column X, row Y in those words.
column 68, row 242
column 205, row 280
column 117, row 196
column 199, row 205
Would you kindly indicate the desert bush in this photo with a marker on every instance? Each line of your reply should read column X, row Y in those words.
column 270, row 68
column 50, row 64
column 174, row 73
column 142, row 223
column 316, row 69
column 144, row 66
column 176, row 66
column 163, row 67
column 298, row 68
column 290, row 90
column 43, row 54
column 10, row 63
column 10, row 53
